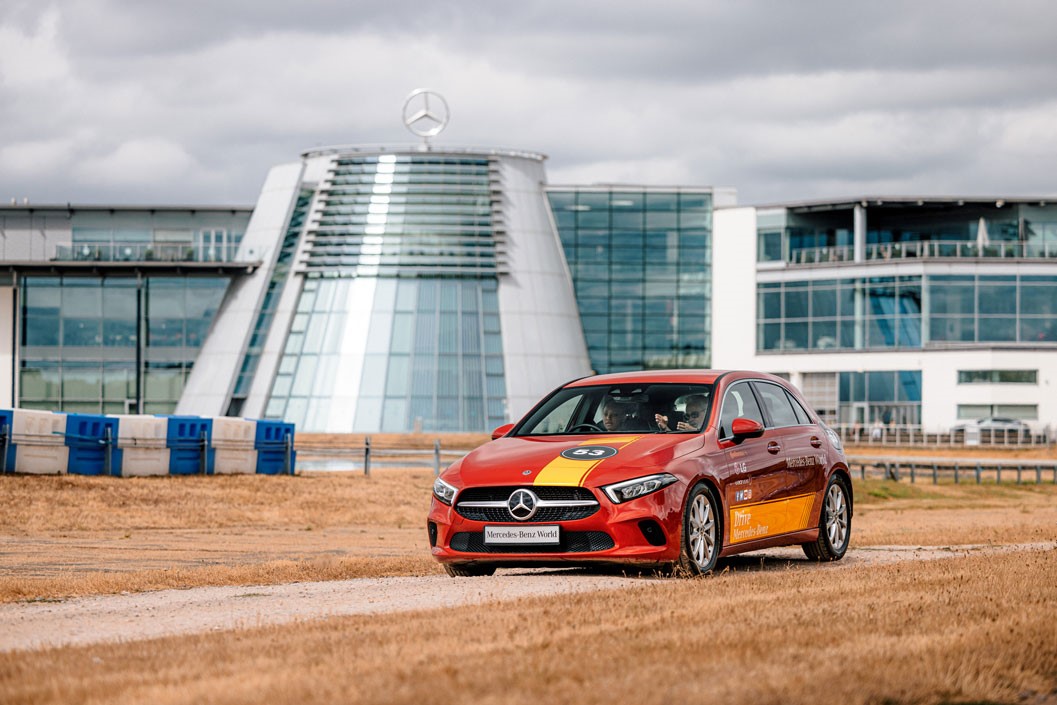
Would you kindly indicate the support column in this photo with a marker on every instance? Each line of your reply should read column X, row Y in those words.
column 859, row 231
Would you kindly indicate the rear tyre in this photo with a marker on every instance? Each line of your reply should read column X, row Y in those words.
column 701, row 532
column 834, row 523
column 468, row 570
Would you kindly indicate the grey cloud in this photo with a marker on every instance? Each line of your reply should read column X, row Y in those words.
column 772, row 97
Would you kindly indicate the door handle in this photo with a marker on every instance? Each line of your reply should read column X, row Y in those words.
column 774, row 447
column 815, row 442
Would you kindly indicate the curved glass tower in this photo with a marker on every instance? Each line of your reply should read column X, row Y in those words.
column 407, row 290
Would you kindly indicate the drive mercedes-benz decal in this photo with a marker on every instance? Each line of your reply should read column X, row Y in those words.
column 522, row 504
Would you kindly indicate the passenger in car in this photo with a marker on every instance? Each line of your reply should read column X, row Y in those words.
column 696, row 406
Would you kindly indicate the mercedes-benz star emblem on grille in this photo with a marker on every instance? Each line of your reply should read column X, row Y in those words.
column 522, row 504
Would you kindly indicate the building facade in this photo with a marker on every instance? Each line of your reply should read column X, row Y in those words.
column 402, row 289
column 641, row 263
column 923, row 312
column 408, row 290
column 107, row 307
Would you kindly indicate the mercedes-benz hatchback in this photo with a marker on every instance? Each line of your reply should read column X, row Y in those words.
column 672, row 468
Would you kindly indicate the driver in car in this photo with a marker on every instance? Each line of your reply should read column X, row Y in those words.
column 614, row 415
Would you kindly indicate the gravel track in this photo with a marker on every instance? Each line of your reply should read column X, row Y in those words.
column 130, row 617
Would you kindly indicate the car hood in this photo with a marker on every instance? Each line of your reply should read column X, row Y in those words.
column 539, row 460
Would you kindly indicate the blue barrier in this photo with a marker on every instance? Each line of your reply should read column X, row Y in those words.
column 8, row 449
column 190, row 439
column 91, row 439
column 44, row 442
column 274, row 442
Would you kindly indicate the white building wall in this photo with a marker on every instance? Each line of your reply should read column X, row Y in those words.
column 733, row 288
column 543, row 339
column 8, row 343
column 216, row 368
column 313, row 170
column 734, row 279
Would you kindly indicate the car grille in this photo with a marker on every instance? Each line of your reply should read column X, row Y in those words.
column 571, row 542
column 544, row 514
column 501, row 494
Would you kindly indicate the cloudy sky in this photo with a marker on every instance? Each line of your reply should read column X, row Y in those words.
column 138, row 101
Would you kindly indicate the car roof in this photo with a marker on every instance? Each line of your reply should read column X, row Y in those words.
column 669, row 376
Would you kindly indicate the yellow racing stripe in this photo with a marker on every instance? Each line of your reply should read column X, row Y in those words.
column 564, row 472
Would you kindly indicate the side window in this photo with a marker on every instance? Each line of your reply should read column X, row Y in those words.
column 737, row 402
column 779, row 408
column 802, row 416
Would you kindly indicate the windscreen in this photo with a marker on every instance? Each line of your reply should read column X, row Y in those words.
column 634, row 408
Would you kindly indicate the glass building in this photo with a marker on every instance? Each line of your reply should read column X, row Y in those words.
column 113, row 303
column 640, row 260
column 409, row 291
column 377, row 289
column 919, row 311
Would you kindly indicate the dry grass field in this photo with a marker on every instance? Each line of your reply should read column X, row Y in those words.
column 1004, row 453
column 975, row 629
column 959, row 630
column 70, row 535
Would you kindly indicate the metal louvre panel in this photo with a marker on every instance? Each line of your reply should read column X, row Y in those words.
column 433, row 215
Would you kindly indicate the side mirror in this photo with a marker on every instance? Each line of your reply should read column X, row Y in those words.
column 502, row 431
column 743, row 428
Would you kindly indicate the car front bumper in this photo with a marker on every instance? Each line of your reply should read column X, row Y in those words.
column 643, row 530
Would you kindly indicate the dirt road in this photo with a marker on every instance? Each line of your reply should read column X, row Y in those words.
column 167, row 612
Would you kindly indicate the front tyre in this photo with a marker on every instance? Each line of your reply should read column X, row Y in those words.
column 701, row 531
column 468, row 570
column 834, row 524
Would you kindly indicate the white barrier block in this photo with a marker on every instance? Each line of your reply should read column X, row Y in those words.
column 40, row 443
column 142, row 443
column 233, row 445
column 235, row 462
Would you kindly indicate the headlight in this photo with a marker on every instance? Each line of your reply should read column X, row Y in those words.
column 639, row 487
column 834, row 439
column 443, row 491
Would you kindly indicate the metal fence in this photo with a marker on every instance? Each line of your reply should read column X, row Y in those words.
column 915, row 435
column 971, row 470
column 357, row 457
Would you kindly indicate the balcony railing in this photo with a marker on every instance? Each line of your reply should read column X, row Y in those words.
column 928, row 250
column 143, row 252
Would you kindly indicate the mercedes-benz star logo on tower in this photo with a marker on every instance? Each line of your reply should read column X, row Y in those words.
column 522, row 504
column 425, row 113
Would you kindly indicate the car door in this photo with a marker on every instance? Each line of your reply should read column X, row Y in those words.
column 753, row 465
column 800, row 439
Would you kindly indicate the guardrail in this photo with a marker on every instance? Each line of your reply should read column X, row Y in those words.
column 370, row 455
column 975, row 470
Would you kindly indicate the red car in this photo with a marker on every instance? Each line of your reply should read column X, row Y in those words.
column 662, row 468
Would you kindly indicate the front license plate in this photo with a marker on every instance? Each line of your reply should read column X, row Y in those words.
column 521, row 534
